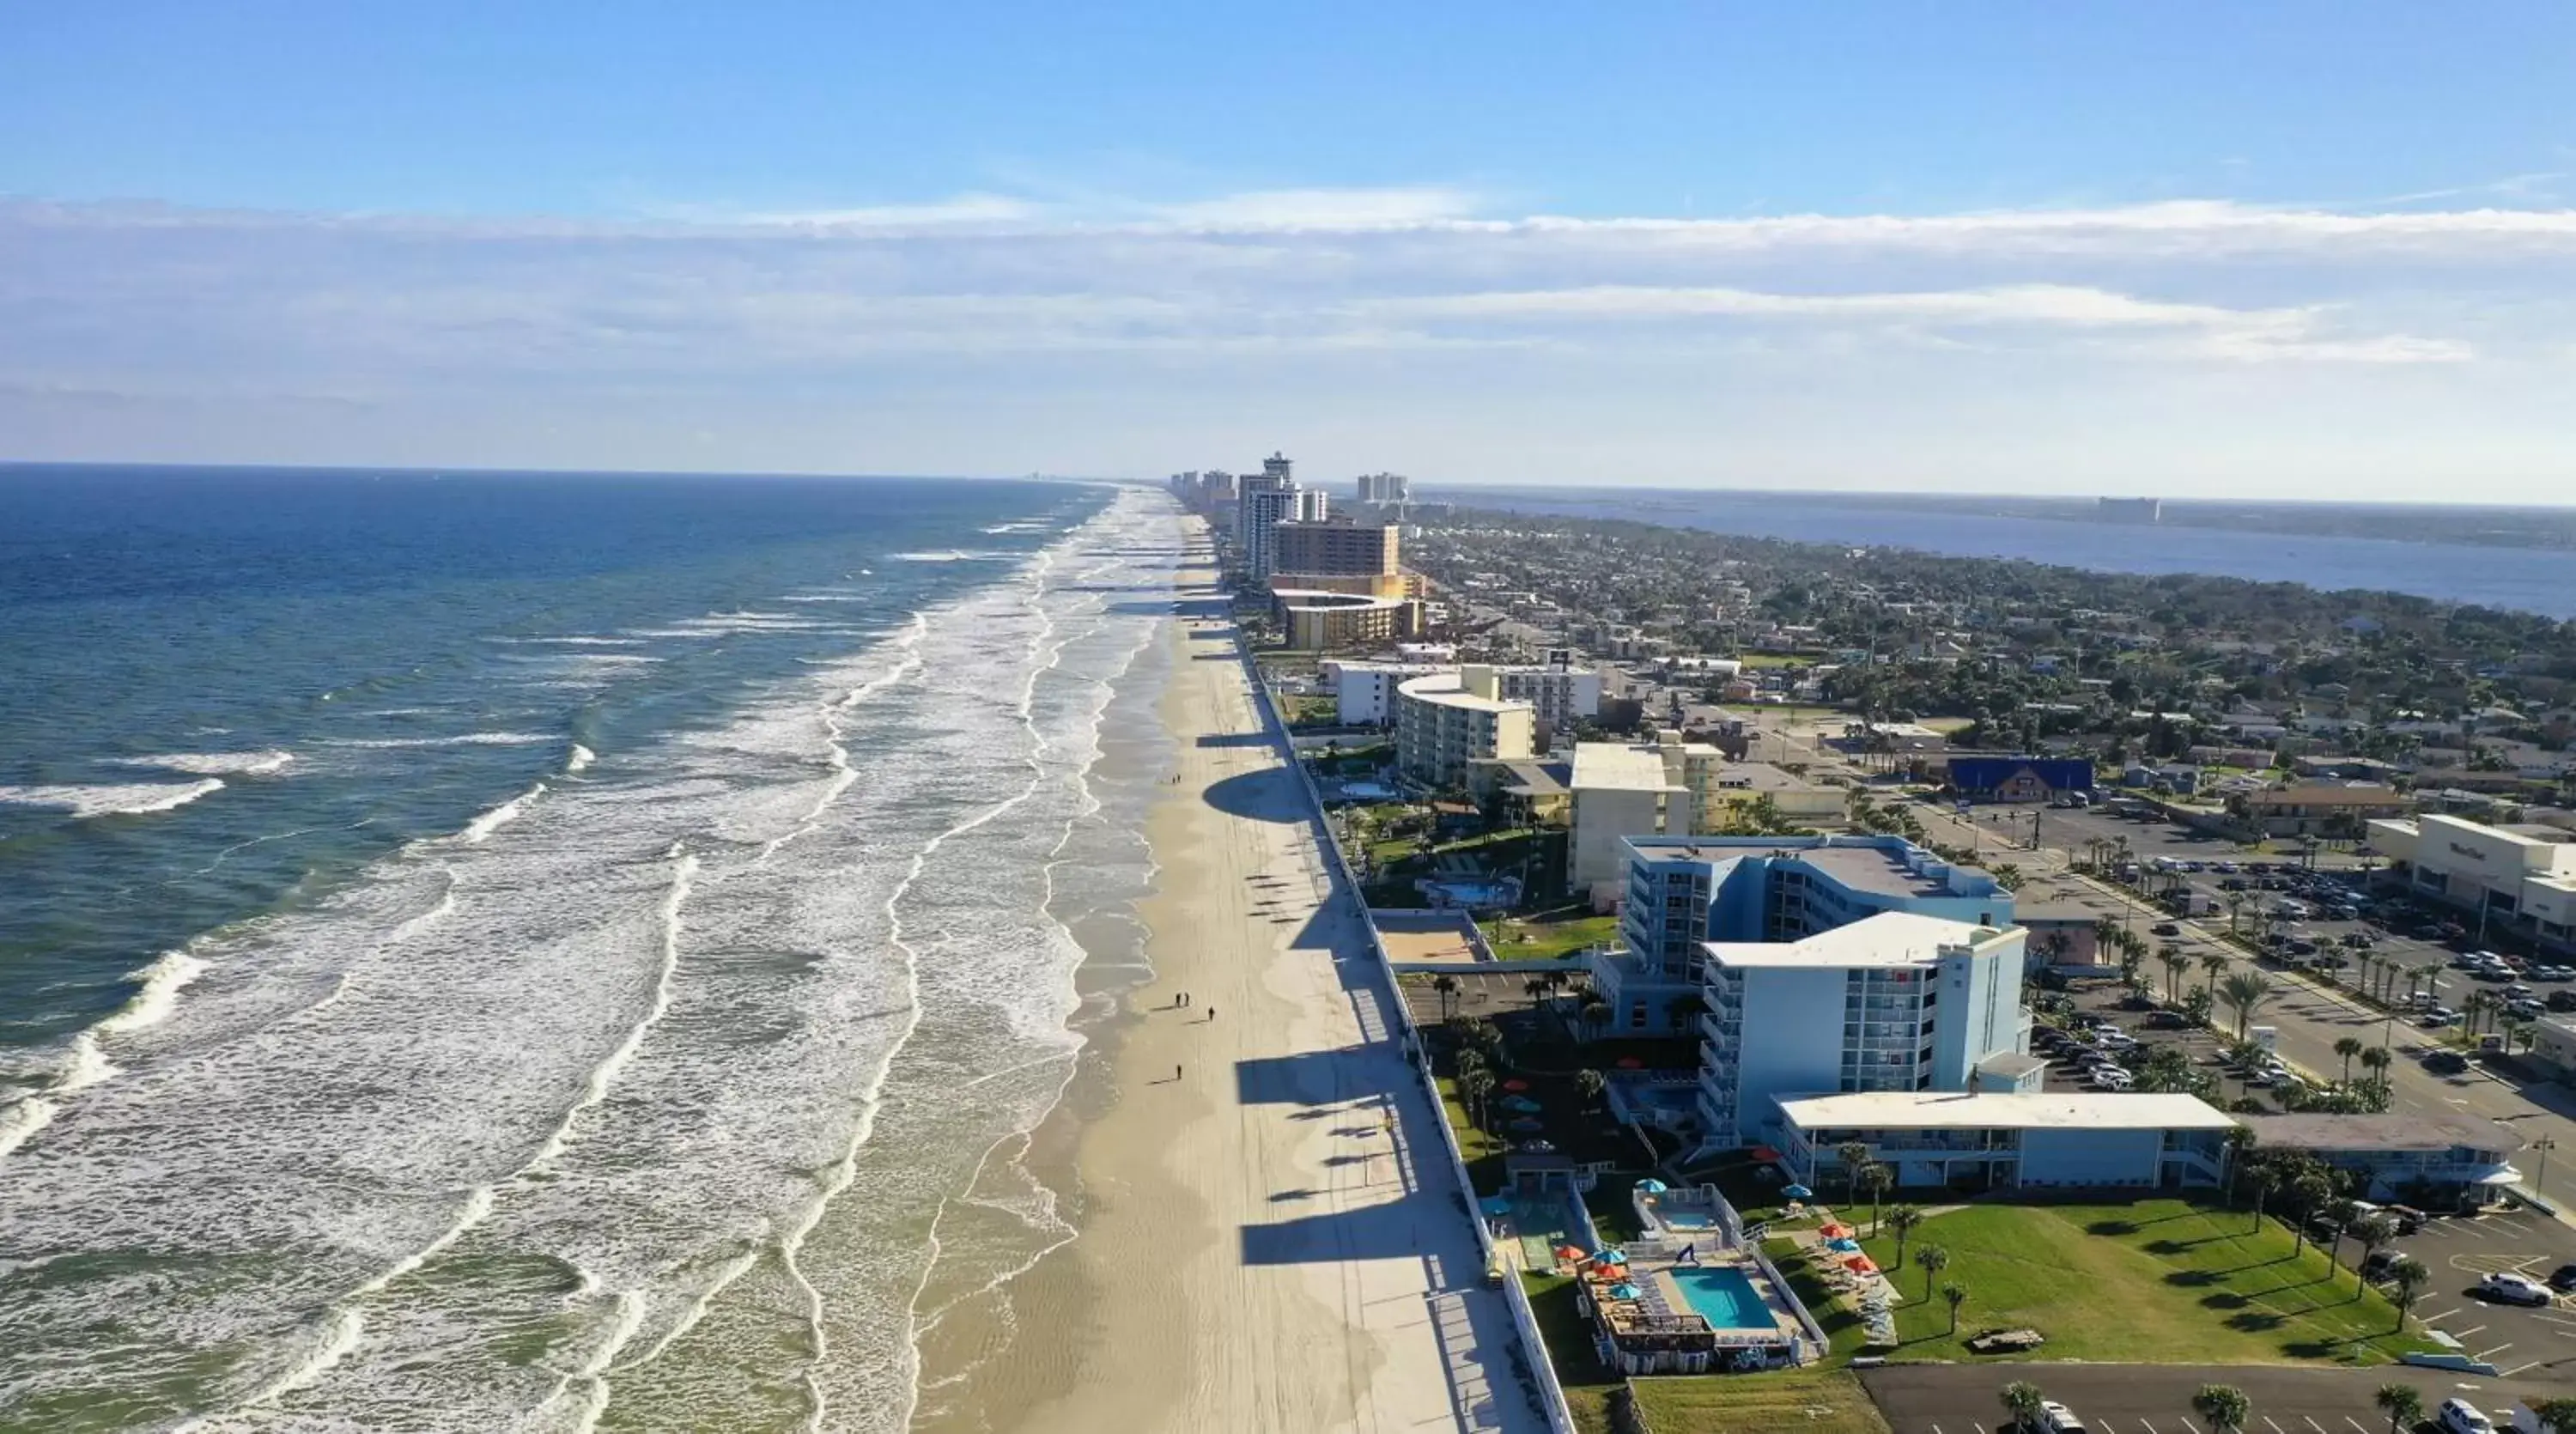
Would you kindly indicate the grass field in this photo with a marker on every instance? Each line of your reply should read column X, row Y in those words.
column 1817, row 1401
column 1549, row 934
column 1482, row 1152
column 1588, row 1383
column 2158, row 1281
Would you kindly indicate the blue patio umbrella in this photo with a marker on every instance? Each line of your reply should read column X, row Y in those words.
column 1623, row 1291
column 1798, row 1192
column 1612, row 1257
column 1845, row 1246
column 1653, row 1186
column 1521, row 1102
column 1525, row 1123
column 1498, row 1204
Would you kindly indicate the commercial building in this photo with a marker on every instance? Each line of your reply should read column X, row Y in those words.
column 2006, row 1141
column 1321, row 620
column 2430, row 1161
column 1798, row 801
column 1893, row 1002
column 1445, row 722
column 1667, row 787
column 2020, row 779
column 2323, row 809
column 1683, row 892
column 2520, row 879
column 1561, row 692
column 1340, row 546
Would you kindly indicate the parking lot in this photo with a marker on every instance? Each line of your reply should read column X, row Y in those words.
column 2518, row 1341
column 2143, row 1399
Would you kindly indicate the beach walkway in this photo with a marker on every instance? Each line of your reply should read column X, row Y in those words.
column 1278, row 1243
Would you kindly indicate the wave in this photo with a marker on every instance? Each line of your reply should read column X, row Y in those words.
column 462, row 739
column 111, row 800
column 947, row 555
column 574, row 641
column 151, row 1003
column 500, row 816
column 24, row 1118
column 580, row 759
column 216, row 764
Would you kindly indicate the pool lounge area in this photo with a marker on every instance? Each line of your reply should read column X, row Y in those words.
column 1684, row 1298
column 1723, row 1295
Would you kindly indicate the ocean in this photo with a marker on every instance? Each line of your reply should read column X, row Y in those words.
column 540, row 951
column 2538, row 580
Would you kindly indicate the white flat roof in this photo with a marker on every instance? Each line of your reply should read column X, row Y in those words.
column 1448, row 689
column 1952, row 1110
column 1617, row 766
column 1890, row 938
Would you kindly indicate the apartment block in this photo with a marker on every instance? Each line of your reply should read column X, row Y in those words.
column 1893, row 1002
column 1445, row 722
column 1338, row 546
column 1667, row 787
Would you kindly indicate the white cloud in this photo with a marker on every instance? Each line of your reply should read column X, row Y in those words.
column 977, row 209
column 1297, row 210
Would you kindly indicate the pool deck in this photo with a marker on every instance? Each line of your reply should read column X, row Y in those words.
column 1784, row 1321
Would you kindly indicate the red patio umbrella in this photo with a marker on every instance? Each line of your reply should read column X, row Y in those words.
column 1631, row 1063
column 1516, row 1085
column 1765, row 1154
column 1568, row 1252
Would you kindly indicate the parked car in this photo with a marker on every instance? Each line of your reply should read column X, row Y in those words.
column 2526, row 1008
column 2408, row 1218
column 2561, row 1001
column 2506, row 1287
column 2438, row 1017
column 2459, row 1416
column 2381, row 1263
column 2446, row 1062
column 2112, row 1078
column 2563, row 1279
column 2056, row 1418
column 2165, row 928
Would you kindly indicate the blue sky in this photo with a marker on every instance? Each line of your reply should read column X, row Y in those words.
column 2306, row 250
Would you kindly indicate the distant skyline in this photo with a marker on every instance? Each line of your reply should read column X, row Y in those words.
column 2308, row 251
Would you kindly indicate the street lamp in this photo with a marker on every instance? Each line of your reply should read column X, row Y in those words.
column 2544, row 1145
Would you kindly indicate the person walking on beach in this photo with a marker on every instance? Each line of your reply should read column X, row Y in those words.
column 1176, row 1072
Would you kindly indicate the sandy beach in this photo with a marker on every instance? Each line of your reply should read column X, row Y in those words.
column 1271, row 1239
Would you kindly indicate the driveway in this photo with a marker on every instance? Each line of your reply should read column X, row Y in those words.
column 2156, row 1399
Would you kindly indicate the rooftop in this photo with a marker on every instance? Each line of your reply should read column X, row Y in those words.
column 1449, row 690
column 1950, row 1110
column 1881, row 870
column 2377, row 1132
column 1889, row 939
column 1617, row 766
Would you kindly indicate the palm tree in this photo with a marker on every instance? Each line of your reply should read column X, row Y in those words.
column 2558, row 1416
column 1853, row 1154
column 1590, row 1083
column 1934, row 1260
column 2244, row 994
column 2022, row 1400
column 1957, row 1295
column 2213, row 966
column 1447, row 986
column 2171, row 957
column 2407, row 1278
column 2374, row 1231
column 1473, row 1087
column 2224, row 1406
column 2311, row 1189
column 2347, row 1047
column 2401, row 1404
column 2235, row 909
column 2240, row 1148
column 2263, row 1176
column 1902, row 1220
column 2377, row 1060
column 1878, row 1178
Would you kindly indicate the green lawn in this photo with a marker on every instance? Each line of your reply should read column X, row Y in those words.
column 1550, row 934
column 1587, row 1381
column 1483, row 1153
column 2160, row 1281
column 1814, row 1400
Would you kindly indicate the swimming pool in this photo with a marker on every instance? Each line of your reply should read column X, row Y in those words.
column 1686, row 1220
column 1724, row 1296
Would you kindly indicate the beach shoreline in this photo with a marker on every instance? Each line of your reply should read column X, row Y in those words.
column 1268, row 1240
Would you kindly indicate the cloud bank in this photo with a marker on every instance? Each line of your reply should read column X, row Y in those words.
column 406, row 326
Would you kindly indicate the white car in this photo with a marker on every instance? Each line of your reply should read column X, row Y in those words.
column 2506, row 1287
column 2056, row 1418
column 2113, row 1078
column 2459, row 1416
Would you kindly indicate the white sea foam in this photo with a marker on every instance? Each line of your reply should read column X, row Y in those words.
column 22, row 1118
column 217, row 764
column 110, row 800
column 461, row 739
column 489, row 822
column 153, row 1001
column 946, row 555
column 580, row 759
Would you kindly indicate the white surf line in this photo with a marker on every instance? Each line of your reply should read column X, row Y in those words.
column 843, row 774
column 409, row 927
column 579, row 760
column 846, row 1169
column 483, row 826
column 22, row 1118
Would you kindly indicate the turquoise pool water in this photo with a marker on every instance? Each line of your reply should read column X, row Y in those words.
column 1685, row 1220
column 1724, row 1296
